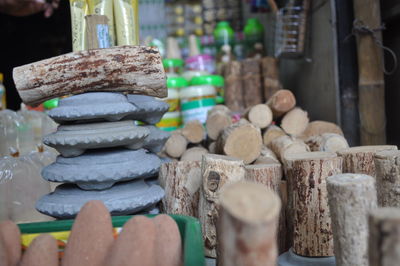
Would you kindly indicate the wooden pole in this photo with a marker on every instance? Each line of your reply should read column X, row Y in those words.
column 371, row 85
column 252, row 91
column 181, row 182
column 360, row 160
column 233, row 86
column 309, row 207
column 350, row 198
column 384, row 237
column 387, row 165
column 217, row 171
column 247, row 225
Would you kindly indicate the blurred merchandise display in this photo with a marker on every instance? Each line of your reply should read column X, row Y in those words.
column 3, row 104
column 222, row 10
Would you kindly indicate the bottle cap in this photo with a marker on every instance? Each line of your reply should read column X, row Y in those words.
column 214, row 80
column 176, row 82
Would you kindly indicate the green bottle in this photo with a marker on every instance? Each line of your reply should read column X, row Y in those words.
column 223, row 34
column 254, row 37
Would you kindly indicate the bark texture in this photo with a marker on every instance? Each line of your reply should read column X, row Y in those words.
column 387, row 165
column 233, row 86
column 251, row 82
column 270, row 70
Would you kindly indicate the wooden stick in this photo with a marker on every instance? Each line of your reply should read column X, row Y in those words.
column 181, row 182
column 193, row 131
column 241, row 140
column 129, row 69
column 384, row 237
column 272, row 133
column 251, row 82
column 360, row 160
column 285, row 145
column 316, row 128
column 217, row 171
column 281, row 102
column 309, row 207
column 327, row 142
column 270, row 70
column 233, row 86
column 267, row 156
column 175, row 145
column 259, row 115
column 217, row 121
column 194, row 154
column 387, row 164
column 350, row 198
column 253, row 209
column 371, row 85
column 295, row 121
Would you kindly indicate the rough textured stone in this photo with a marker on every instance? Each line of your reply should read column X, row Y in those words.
column 155, row 141
column 149, row 110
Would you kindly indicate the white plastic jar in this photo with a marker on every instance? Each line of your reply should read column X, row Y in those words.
column 196, row 101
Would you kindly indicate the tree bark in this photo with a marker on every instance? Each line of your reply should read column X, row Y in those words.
column 350, row 198
column 270, row 70
column 233, row 86
column 309, row 207
column 360, row 160
column 181, row 182
column 128, row 69
column 384, row 237
column 252, row 91
column 247, row 225
column 387, row 164
column 330, row 142
column 217, row 171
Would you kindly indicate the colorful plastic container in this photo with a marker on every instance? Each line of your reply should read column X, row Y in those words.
column 189, row 228
column 173, row 65
column 216, row 81
column 202, row 62
column 196, row 101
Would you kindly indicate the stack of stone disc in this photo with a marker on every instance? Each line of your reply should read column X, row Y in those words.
column 104, row 154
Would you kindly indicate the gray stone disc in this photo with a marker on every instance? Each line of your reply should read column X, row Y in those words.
column 122, row 199
column 101, row 169
column 73, row 140
column 155, row 141
column 92, row 106
column 149, row 110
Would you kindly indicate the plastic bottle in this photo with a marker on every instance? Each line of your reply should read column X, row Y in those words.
column 223, row 35
column 173, row 66
column 3, row 104
column 216, row 81
column 196, row 101
column 254, row 37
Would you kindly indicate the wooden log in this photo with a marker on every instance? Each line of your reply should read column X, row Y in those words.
column 360, row 160
column 309, row 207
column 128, row 69
column 241, row 140
column 251, row 82
column 371, row 84
column 350, row 198
column 247, row 225
column 286, row 145
column 272, row 132
column 267, row 156
column 384, row 237
column 387, row 169
column 193, row 131
column 259, row 115
column 212, row 148
column 281, row 102
column 175, row 145
column 194, row 154
column 330, row 142
column 316, row 128
column 217, row 171
column 181, row 182
column 233, row 86
column 216, row 122
column 295, row 121
column 270, row 71
column 220, row 107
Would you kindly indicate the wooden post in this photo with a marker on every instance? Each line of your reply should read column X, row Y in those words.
column 252, row 93
column 270, row 71
column 217, row 121
column 233, row 86
column 129, row 69
column 371, row 85
column 350, row 198
column 181, row 182
column 217, row 171
column 360, row 160
column 247, row 225
column 387, row 164
column 309, row 207
column 384, row 237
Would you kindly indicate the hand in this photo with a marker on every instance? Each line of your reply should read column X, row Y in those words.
column 22, row 8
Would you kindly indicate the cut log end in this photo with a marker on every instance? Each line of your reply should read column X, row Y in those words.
column 281, row 102
column 295, row 122
column 176, row 145
column 194, row 154
column 193, row 131
column 260, row 115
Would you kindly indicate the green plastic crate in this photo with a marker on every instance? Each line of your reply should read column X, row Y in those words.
column 189, row 228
